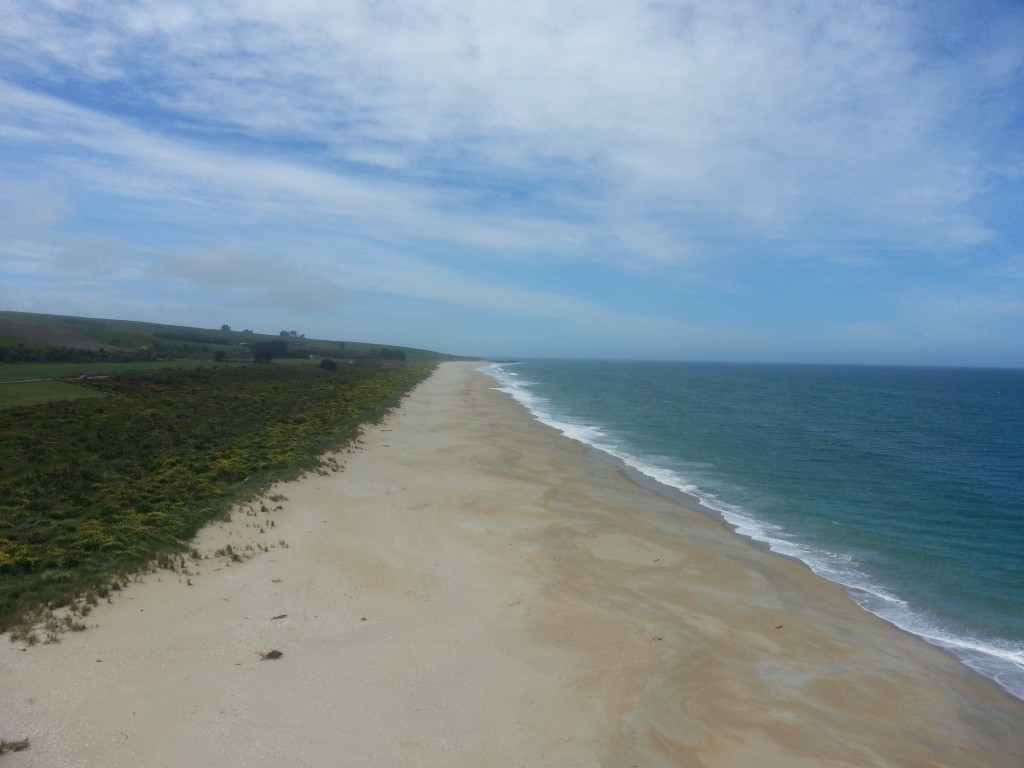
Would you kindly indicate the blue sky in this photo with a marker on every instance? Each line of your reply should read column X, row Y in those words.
column 753, row 180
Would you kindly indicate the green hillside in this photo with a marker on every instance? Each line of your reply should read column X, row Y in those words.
column 32, row 337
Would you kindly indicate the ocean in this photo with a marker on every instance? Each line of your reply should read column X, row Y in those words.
column 905, row 485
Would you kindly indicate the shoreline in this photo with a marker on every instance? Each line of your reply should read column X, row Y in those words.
column 474, row 588
column 693, row 503
column 984, row 661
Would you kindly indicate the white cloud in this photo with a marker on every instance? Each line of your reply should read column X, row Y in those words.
column 440, row 151
column 762, row 116
column 233, row 275
column 111, row 156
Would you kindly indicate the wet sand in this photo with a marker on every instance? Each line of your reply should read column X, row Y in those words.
column 474, row 589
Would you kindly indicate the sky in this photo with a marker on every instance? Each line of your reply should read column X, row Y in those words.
column 756, row 180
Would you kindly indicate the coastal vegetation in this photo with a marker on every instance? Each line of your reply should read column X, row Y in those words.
column 96, row 487
column 38, row 338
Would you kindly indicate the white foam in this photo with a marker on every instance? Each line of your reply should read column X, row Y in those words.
column 999, row 660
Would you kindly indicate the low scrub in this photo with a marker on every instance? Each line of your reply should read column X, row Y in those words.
column 90, row 489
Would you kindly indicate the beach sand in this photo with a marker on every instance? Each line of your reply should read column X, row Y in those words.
column 474, row 589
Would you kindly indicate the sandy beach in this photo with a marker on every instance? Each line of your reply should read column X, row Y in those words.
column 474, row 589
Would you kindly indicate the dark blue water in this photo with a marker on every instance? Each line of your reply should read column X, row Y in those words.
column 904, row 484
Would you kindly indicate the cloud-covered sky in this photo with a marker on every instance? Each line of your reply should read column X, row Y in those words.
column 746, row 180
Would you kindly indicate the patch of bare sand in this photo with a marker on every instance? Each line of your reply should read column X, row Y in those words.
column 475, row 590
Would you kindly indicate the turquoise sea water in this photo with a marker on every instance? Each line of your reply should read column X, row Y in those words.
column 906, row 485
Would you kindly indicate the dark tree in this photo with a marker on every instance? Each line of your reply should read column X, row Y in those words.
column 265, row 351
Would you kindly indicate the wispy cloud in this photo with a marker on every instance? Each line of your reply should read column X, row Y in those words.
column 504, row 148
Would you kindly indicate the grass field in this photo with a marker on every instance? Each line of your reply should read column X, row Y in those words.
column 35, row 383
column 37, row 392
column 25, row 371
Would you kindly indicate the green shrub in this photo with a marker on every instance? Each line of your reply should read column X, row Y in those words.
column 91, row 489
